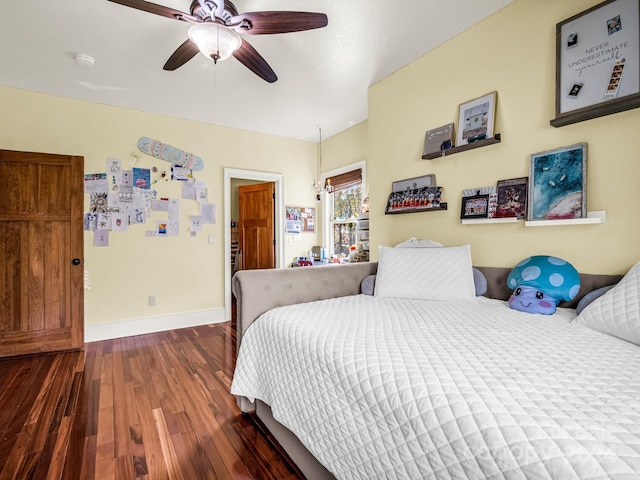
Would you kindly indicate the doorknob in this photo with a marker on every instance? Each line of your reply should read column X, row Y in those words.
column 76, row 261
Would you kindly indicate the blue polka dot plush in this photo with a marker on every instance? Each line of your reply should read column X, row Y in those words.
column 540, row 282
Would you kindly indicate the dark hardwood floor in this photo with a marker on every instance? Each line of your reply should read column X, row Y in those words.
column 148, row 407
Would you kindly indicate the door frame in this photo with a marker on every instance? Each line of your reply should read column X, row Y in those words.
column 278, row 179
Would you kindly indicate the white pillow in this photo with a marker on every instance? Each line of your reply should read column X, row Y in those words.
column 413, row 242
column 426, row 273
column 617, row 312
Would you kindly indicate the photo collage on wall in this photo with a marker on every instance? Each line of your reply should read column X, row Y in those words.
column 120, row 198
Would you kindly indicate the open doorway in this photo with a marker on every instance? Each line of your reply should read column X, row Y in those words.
column 257, row 177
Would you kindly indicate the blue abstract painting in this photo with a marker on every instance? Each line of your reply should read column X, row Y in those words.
column 558, row 184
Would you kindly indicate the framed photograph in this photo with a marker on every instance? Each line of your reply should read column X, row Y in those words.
column 558, row 184
column 598, row 62
column 493, row 197
column 476, row 206
column 476, row 119
column 511, row 198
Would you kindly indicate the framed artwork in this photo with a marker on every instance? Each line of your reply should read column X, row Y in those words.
column 598, row 62
column 511, row 198
column 476, row 206
column 558, row 184
column 476, row 119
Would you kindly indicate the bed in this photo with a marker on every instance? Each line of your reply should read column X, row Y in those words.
column 357, row 386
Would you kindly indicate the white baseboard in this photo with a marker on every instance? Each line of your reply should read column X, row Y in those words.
column 141, row 326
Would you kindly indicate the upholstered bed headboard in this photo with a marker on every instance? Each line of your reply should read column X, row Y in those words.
column 257, row 291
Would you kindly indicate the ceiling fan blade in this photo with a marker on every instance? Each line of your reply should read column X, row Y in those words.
column 250, row 58
column 261, row 23
column 156, row 9
column 182, row 55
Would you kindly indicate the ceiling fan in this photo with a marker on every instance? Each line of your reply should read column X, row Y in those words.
column 216, row 28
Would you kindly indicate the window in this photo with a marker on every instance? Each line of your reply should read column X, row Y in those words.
column 341, row 208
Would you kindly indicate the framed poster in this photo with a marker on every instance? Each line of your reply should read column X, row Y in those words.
column 511, row 198
column 476, row 119
column 558, row 184
column 598, row 62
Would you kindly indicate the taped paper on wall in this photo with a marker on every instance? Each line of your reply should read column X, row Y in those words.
column 119, row 222
column 142, row 178
column 208, row 212
column 95, row 182
column 195, row 224
column 101, row 238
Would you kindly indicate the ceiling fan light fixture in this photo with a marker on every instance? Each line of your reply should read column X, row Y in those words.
column 215, row 41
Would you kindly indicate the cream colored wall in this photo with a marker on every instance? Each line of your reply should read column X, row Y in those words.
column 186, row 274
column 345, row 148
column 512, row 52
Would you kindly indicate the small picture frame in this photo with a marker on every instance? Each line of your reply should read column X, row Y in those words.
column 493, row 197
column 558, row 184
column 511, row 198
column 476, row 119
column 476, row 206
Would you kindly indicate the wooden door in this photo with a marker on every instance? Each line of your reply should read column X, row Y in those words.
column 256, row 235
column 41, row 235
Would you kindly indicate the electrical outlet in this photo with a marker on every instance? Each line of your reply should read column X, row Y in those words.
column 153, row 301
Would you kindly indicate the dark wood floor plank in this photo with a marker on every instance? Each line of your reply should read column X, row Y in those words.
column 150, row 407
column 183, row 457
column 105, row 450
column 13, row 414
column 119, row 402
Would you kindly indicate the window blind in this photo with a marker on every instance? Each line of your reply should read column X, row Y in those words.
column 344, row 180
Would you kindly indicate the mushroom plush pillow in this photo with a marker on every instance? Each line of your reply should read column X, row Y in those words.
column 540, row 282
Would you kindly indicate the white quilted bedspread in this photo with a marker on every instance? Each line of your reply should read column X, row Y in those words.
column 411, row 389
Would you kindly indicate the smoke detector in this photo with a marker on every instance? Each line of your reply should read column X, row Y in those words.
column 84, row 60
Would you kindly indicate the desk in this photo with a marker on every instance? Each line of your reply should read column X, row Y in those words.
column 315, row 263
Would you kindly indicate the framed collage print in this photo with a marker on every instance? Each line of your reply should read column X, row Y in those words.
column 598, row 62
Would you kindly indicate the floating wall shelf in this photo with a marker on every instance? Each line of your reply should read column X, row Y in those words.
column 593, row 218
column 463, row 148
column 475, row 221
column 443, row 206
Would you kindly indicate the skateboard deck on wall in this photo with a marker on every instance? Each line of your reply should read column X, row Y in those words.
column 170, row 154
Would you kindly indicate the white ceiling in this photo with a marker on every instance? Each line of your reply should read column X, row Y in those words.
column 323, row 74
